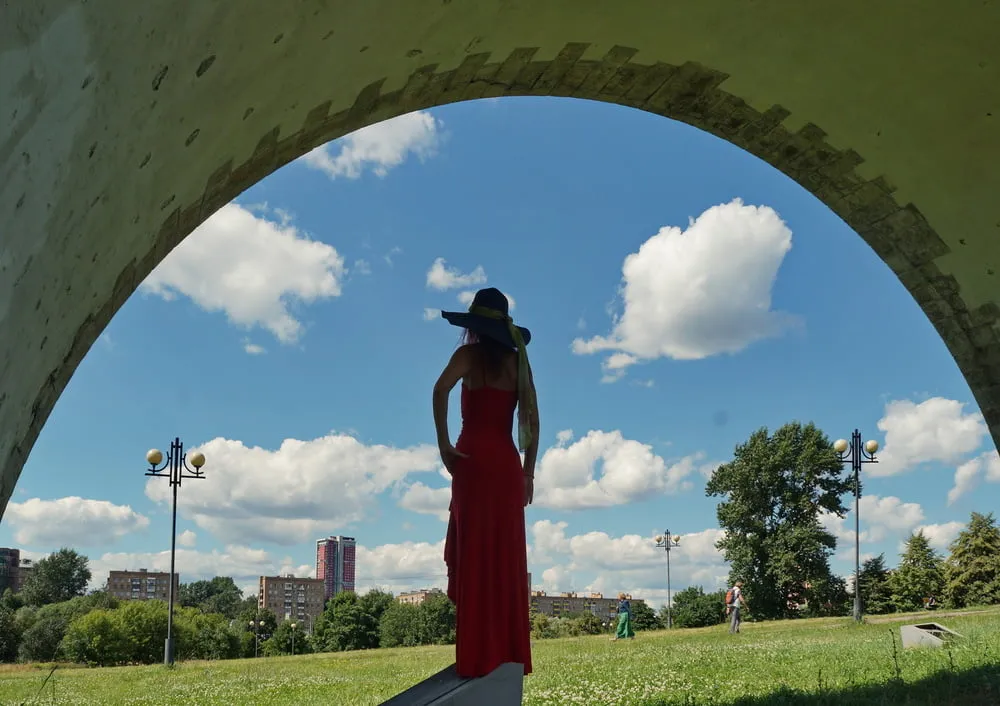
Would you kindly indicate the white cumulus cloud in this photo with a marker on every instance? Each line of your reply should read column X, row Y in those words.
column 941, row 535
column 401, row 567
column 603, row 468
column 294, row 493
column 705, row 290
column 935, row 430
column 441, row 277
column 379, row 147
column 72, row 521
column 881, row 517
column 252, row 269
column 426, row 500
column 187, row 538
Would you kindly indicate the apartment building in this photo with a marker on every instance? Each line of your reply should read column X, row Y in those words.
column 291, row 598
column 336, row 564
column 141, row 585
column 568, row 603
column 418, row 597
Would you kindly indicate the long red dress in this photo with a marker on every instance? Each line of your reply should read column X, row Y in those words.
column 485, row 547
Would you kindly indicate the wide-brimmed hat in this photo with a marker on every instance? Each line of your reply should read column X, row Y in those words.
column 495, row 327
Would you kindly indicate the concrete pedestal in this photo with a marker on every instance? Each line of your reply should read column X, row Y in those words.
column 926, row 635
column 501, row 687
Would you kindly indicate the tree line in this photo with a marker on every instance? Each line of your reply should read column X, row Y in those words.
column 53, row 619
column 774, row 494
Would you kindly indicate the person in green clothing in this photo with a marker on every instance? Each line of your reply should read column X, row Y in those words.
column 624, row 619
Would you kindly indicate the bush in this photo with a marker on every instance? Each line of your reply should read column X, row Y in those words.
column 96, row 639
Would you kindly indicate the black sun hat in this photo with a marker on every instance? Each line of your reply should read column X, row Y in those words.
column 489, row 315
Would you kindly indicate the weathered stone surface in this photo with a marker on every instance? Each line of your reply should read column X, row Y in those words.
column 121, row 131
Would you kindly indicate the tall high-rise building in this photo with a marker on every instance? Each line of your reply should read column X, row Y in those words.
column 335, row 564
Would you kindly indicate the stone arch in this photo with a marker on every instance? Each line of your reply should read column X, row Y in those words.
column 47, row 324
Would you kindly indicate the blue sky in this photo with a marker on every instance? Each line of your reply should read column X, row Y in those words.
column 681, row 294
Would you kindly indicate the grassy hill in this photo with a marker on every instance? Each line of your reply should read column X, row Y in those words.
column 807, row 662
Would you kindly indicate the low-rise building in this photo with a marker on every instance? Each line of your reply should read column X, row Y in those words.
column 291, row 598
column 417, row 597
column 568, row 603
column 141, row 585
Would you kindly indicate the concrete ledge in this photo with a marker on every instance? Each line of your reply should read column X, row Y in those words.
column 501, row 687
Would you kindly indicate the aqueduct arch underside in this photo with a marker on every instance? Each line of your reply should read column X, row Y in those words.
column 124, row 128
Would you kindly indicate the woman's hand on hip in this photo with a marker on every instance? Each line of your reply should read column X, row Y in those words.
column 450, row 456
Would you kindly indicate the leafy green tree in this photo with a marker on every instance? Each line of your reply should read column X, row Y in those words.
column 280, row 643
column 218, row 595
column 374, row 603
column 876, row 594
column 773, row 492
column 401, row 625
column 143, row 625
column 920, row 574
column 10, row 600
column 206, row 636
column 96, row 639
column 42, row 629
column 58, row 577
column 693, row 608
column 10, row 636
column 972, row 571
column 585, row 623
column 343, row 625
column 438, row 618
column 542, row 627
column 644, row 617
column 827, row 598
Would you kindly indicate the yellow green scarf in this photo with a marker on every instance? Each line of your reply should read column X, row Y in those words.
column 525, row 395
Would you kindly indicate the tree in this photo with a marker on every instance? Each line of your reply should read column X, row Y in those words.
column 280, row 643
column 774, row 490
column 57, row 578
column 42, row 629
column 374, row 603
column 206, row 636
column 10, row 636
column 827, row 598
column 10, row 600
column 401, row 625
column 920, row 574
column 541, row 626
column 644, row 617
column 343, row 624
column 693, row 608
column 972, row 572
column 143, row 625
column 219, row 595
column 96, row 639
column 876, row 595
column 438, row 619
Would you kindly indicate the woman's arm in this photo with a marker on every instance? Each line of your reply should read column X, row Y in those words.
column 456, row 369
column 531, row 453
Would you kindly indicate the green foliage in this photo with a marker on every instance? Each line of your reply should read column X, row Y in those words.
column 401, row 625
column 10, row 600
column 972, row 572
column 920, row 574
column 344, row 625
column 644, row 617
column 286, row 637
column 143, row 625
column 827, row 598
column 42, row 629
column 374, row 603
column 774, row 490
column 57, row 578
column 96, row 639
column 693, row 608
column 219, row 595
column 876, row 594
column 542, row 627
column 10, row 635
column 438, row 617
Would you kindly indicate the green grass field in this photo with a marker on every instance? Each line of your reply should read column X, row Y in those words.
column 809, row 662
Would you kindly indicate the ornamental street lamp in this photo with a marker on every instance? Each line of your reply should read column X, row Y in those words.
column 666, row 542
column 173, row 469
column 294, row 625
column 256, row 625
column 856, row 453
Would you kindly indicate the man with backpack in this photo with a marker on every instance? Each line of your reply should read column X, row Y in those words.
column 734, row 602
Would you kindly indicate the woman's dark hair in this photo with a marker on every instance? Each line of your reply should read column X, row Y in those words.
column 494, row 351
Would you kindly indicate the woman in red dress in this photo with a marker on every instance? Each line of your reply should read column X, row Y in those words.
column 485, row 547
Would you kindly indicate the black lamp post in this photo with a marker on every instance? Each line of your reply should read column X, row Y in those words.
column 173, row 469
column 856, row 453
column 666, row 541
column 256, row 625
